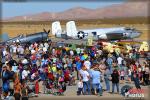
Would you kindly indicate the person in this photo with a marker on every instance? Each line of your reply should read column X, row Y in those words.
column 136, row 81
column 115, row 80
column 5, row 80
column 147, row 71
column 96, row 85
column 109, row 62
column 129, row 75
column 87, row 64
column 80, row 87
column 24, row 92
column 78, row 67
column 85, row 77
column 17, row 88
column 120, row 60
column 122, row 75
column 107, row 74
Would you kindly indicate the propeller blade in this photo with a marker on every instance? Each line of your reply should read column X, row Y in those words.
column 44, row 30
column 48, row 31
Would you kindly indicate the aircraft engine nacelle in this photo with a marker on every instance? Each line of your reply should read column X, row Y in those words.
column 81, row 35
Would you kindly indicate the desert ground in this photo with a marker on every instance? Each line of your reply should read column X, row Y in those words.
column 16, row 28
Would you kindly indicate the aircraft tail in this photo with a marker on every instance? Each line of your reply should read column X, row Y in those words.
column 71, row 29
column 56, row 28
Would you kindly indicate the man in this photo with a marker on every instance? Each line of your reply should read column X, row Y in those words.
column 109, row 62
column 85, row 77
column 5, row 80
column 87, row 64
column 120, row 60
column 107, row 79
column 78, row 67
column 96, row 75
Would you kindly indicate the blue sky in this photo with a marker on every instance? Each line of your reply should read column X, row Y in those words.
column 10, row 9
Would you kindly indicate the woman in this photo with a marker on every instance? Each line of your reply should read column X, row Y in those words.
column 17, row 88
column 115, row 80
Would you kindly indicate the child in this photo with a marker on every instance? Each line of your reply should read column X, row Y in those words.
column 80, row 87
column 122, row 74
column 129, row 75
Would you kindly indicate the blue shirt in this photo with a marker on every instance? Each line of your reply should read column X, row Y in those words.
column 95, row 76
column 78, row 65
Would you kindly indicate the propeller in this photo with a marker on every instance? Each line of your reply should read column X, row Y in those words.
column 46, row 31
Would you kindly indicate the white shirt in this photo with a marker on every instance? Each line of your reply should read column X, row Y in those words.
column 71, row 53
column 85, row 75
column 80, row 84
column 14, row 49
column 44, row 49
column 87, row 64
column 119, row 59
column 24, row 74
column 4, row 53
column 33, row 76
column 46, row 45
column 129, row 72
column 78, row 50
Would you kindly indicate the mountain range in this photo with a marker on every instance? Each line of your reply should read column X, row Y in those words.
column 127, row 9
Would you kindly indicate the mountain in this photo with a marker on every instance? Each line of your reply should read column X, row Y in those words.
column 128, row 9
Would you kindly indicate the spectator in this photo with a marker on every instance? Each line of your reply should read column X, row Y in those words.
column 80, row 87
column 95, row 75
column 107, row 75
column 85, row 77
column 17, row 88
column 115, row 80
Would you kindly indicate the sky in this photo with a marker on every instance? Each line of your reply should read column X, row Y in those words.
column 11, row 9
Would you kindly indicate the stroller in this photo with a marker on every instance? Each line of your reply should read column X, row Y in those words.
column 55, row 88
column 60, row 89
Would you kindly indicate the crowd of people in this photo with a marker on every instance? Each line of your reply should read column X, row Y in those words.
column 41, row 68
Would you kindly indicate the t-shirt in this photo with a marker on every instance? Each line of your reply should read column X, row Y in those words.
column 80, row 84
column 24, row 74
column 78, row 50
column 119, row 59
column 78, row 65
column 95, row 77
column 84, row 75
column 122, row 73
column 87, row 64
column 14, row 68
column 71, row 53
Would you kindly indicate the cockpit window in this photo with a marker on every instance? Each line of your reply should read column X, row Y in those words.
column 127, row 28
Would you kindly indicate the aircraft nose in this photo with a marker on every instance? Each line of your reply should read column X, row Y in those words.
column 136, row 34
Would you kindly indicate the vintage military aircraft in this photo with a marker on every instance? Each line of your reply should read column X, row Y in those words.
column 40, row 36
column 115, row 33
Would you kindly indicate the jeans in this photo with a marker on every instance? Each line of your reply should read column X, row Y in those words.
column 113, row 86
column 98, row 88
column 86, row 86
column 79, row 91
column 107, row 84
column 110, row 68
